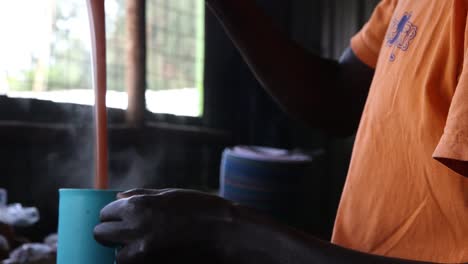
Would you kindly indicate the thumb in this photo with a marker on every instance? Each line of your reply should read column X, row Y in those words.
column 134, row 192
column 141, row 191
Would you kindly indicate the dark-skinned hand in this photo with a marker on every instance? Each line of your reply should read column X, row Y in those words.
column 153, row 226
column 182, row 226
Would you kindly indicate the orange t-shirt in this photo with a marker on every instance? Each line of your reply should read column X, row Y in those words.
column 403, row 197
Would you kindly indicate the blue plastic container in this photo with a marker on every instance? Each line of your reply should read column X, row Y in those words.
column 78, row 215
column 283, row 189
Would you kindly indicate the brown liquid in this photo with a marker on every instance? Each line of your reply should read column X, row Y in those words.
column 98, row 38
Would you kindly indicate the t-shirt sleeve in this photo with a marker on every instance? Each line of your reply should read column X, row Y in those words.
column 452, row 149
column 367, row 43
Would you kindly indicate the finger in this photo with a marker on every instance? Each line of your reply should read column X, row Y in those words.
column 134, row 192
column 131, row 254
column 112, row 234
column 113, row 211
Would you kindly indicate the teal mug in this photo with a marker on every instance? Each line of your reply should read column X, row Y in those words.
column 78, row 215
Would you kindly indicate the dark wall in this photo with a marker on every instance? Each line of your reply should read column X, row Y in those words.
column 46, row 146
column 243, row 107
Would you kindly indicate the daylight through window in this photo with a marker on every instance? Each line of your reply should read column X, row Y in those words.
column 45, row 53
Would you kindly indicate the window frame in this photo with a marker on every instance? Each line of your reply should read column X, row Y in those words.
column 137, row 113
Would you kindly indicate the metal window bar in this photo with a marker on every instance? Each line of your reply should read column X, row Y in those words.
column 173, row 39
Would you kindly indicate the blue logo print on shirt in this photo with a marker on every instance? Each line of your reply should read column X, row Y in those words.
column 400, row 34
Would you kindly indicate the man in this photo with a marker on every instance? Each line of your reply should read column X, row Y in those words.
column 406, row 195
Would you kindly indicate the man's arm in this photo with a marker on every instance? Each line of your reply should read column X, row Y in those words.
column 305, row 85
column 259, row 240
column 182, row 226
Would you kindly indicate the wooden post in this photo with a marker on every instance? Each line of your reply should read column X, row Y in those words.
column 135, row 74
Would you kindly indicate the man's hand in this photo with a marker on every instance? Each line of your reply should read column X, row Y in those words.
column 164, row 225
column 181, row 226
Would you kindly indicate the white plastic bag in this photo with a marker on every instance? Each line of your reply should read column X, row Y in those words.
column 17, row 215
column 32, row 254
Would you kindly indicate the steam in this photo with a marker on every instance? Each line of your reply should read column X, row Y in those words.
column 138, row 170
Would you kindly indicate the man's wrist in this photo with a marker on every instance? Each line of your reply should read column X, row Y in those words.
column 229, row 235
column 246, row 235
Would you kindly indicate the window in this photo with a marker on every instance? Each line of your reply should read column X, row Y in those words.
column 175, row 35
column 45, row 53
